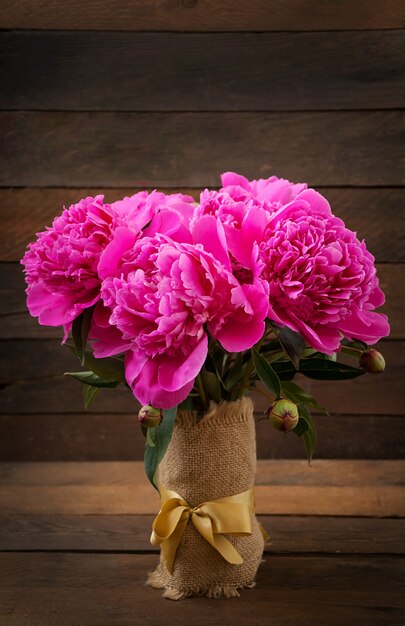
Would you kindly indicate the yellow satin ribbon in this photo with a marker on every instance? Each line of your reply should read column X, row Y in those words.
column 213, row 520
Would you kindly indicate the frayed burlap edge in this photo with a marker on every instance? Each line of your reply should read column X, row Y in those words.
column 159, row 579
column 223, row 413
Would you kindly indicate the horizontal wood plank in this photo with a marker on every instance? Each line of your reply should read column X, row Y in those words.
column 202, row 72
column 112, row 533
column 334, row 472
column 283, row 488
column 106, row 437
column 203, row 15
column 374, row 213
column 65, row 589
column 190, row 149
column 138, row 499
column 31, row 374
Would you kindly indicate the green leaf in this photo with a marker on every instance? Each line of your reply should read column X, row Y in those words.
column 90, row 378
column 266, row 373
column 149, row 438
column 301, row 427
column 219, row 356
column 331, row 357
column 321, row 369
column 309, row 435
column 110, row 368
column 235, row 374
column 89, row 395
column 285, row 370
column 355, row 343
column 187, row 404
column 293, row 344
column 161, row 436
column 211, row 385
column 294, row 392
column 270, row 346
column 80, row 331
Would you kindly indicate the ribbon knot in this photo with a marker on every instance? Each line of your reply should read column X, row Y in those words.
column 226, row 516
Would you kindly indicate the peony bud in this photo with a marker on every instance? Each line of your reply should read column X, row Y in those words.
column 372, row 361
column 150, row 417
column 283, row 415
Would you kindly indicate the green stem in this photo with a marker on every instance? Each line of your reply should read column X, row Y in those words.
column 201, row 390
column 351, row 351
column 249, row 370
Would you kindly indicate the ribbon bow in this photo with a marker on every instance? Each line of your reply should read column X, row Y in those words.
column 230, row 516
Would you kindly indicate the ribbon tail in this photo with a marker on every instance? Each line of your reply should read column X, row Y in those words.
column 204, row 526
column 170, row 545
column 227, row 550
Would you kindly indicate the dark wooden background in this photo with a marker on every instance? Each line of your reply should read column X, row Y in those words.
column 98, row 96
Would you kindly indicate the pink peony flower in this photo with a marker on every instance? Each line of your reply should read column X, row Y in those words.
column 170, row 213
column 244, row 208
column 271, row 193
column 322, row 279
column 164, row 294
column 61, row 265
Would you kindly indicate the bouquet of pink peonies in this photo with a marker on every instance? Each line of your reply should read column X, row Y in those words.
column 190, row 303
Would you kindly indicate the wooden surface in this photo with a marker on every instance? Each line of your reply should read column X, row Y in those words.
column 192, row 149
column 305, row 90
column 203, row 15
column 344, row 488
column 99, row 436
column 201, row 76
column 74, row 547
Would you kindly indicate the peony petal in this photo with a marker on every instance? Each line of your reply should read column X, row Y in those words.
column 165, row 222
column 53, row 309
column 230, row 178
column 320, row 337
column 137, row 210
column 107, row 340
column 135, row 361
column 367, row 326
column 110, row 259
column 148, row 391
column 377, row 297
column 235, row 337
column 318, row 204
column 175, row 372
column 209, row 232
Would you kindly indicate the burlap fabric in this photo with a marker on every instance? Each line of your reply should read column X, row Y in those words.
column 209, row 459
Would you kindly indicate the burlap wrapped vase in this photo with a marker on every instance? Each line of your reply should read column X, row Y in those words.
column 208, row 460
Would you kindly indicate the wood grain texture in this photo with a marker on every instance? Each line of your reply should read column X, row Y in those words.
column 334, row 472
column 283, row 488
column 203, row 15
column 202, row 72
column 65, row 589
column 119, row 533
column 189, row 149
column 106, row 437
column 376, row 214
column 35, row 384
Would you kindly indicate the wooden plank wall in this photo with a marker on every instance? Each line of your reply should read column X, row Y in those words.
column 105, row 96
